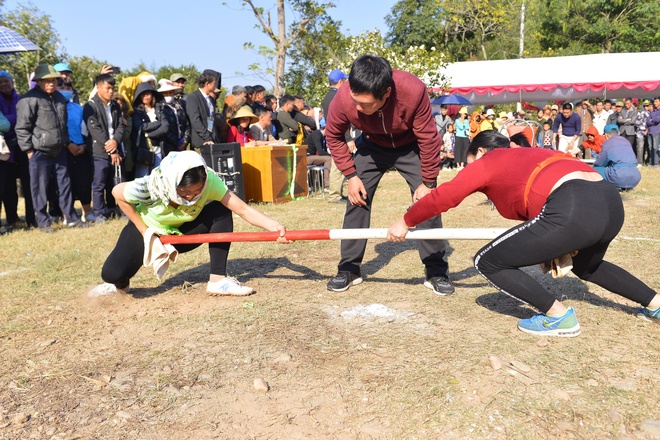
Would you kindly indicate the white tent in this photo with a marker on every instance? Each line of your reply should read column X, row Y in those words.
column 611, row 76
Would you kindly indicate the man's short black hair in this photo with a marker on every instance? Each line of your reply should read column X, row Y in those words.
column 270, row 98
column 259, row 88
column 249, row 90
column 104, row 78
column 205, row 78
column 284, row 100
column 259, row 110
column 370, row 74
column 567, row 106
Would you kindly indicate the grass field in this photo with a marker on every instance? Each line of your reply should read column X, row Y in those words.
column 385, row 360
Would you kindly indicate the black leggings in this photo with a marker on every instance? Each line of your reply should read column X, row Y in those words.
column 579, row 215
column 126, row 258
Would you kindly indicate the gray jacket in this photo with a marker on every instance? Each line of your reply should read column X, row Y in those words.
column 41, row 122
column 626, row 121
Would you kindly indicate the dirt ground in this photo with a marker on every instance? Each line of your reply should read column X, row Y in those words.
column 384, row 360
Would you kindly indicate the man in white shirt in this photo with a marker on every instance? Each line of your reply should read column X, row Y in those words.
column 600, row 117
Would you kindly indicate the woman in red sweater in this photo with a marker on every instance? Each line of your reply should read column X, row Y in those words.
column 565, row 207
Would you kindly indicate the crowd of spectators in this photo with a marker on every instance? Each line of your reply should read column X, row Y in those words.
column 62, row 150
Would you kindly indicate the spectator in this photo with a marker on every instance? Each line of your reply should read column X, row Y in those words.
column 571, row 126
column 616, row 162
column 337, row 79
column 442, row 120
column 78, row 157
column 502, row 120
column 613, row 118
column 17, row 166
column 65, row 72
column 299, row 114
column 5, row 153
column 546, row 135
column 594, row 141
column 41, row 131
column 462, row 141
column 287, row 127
column 151, row 129
column 626, row 122
column 239, row 127
column 175, row 112
column 180, row 81
column 641, row 131
column 128, row 152
column 554, row 111
column 475, row 124
column 608, row 105
column 408, row 142
column 586, row 115
column 599, row 118
column 653, row 124
column 318, row 155
column 260, row 131
column 489, row 123
column 105, row 123
column 447, row 149
column 259, row 98
column 201, row 111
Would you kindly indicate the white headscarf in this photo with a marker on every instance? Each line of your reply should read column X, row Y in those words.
column 165, row 178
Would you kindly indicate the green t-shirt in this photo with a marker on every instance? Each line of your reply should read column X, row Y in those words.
column 164, row 218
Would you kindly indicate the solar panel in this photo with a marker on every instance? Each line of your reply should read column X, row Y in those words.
column 12, row 42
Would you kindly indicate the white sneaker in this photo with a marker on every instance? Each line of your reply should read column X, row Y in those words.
column 228, row 287
column 105, row 289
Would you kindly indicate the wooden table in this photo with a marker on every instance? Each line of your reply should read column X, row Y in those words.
column 267, row 173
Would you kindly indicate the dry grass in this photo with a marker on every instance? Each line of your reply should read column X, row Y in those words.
column 169, row 362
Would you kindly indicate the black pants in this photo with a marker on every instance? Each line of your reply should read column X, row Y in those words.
column 579, row 215
column 42, row 166
column 371, row 163
column 126, row 258
column 20, row 169
column 80, row 171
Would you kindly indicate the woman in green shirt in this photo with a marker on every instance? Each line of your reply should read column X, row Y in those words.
column 181, row 196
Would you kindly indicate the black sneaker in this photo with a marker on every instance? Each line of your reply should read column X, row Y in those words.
column 440, row 285
column 343, row 281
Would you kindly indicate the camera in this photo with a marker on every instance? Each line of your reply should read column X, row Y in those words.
column 116, row 70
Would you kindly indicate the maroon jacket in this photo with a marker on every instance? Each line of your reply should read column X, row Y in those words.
column 405, row 118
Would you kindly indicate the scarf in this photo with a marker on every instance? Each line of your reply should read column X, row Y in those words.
column 165, row 178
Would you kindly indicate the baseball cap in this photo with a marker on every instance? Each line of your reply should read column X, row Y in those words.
column 177, row 76
column 336, row 75
column 554, row 107
column 611, row 127
column 62, row 67
column 619, row 104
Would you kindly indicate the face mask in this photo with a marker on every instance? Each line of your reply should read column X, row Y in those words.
column 169, row 99
column 68, row 95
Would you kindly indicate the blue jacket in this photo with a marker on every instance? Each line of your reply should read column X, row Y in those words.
column 617, row 163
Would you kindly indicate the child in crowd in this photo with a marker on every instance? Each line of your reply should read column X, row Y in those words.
column 447, row 152
column 545, row 135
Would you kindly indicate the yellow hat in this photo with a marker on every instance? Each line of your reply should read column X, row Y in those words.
column 245, row 112
column 463, row 110
column 504, row 115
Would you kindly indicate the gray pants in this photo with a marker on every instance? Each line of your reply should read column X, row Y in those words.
column 371, row 163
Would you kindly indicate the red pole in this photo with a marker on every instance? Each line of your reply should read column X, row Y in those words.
column 224, row 237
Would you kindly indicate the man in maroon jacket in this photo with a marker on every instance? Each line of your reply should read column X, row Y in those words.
column 394, row 113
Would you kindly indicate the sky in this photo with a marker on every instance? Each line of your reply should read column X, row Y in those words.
column 207, row 33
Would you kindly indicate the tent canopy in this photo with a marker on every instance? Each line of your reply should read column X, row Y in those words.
column 612, row 76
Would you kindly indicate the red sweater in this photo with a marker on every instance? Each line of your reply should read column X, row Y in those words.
column 405, row 118
column 502, row 175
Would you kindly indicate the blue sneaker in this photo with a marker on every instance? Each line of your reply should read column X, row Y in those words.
column 649, row 314
column 543, row 325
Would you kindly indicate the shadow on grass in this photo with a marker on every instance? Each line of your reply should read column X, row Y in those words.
column 242, row 269
column 568, row 288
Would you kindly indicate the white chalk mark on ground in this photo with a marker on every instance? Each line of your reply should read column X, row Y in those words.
column 9, row 272
column 368, row 311
column 640, row 239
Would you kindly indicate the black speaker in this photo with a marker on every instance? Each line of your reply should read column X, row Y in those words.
column 226, row 161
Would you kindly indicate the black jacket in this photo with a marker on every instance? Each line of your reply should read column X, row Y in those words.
column 158, row 131
column 198, row 114
column 41, row 122
column 96, row 121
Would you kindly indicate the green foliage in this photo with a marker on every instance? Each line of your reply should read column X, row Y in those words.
column 30, row 22
column 415, row 23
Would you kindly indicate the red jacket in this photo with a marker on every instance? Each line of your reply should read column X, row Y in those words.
column 405, row 118
column 502, row 175
column 597, row 144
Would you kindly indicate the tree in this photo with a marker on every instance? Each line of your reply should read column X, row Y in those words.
column 415, row 23
column 482, row 18
column 36, row 27
column 319, row 49
column 307, row 11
